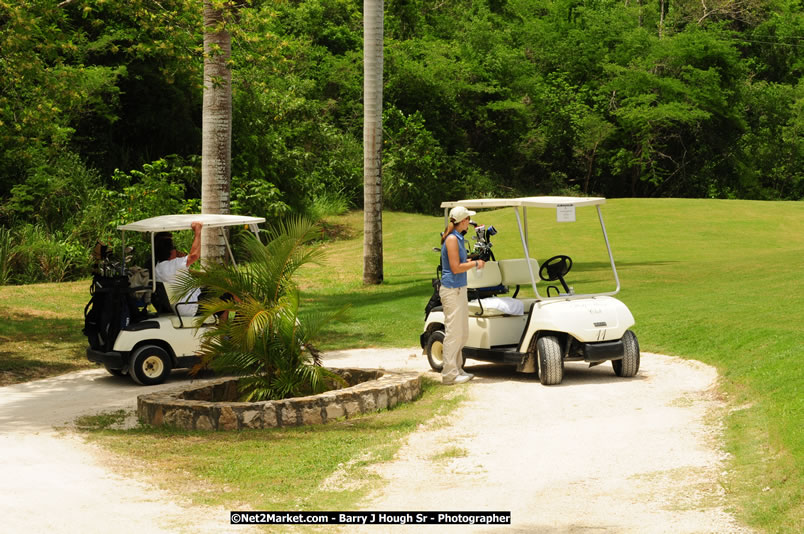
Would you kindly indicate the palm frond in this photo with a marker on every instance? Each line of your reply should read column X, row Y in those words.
column 312, row 322
column 267, row 340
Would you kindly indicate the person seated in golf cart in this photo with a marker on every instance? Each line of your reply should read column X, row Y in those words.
column 170, row 262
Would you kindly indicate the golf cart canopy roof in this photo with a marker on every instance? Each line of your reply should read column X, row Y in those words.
column 170, row 223
column 565, row 212
column 527, row 202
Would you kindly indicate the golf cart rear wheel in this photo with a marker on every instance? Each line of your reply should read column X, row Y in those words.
column 551, row 364
column 435, row 351
column 150, row 365
column 629, row 365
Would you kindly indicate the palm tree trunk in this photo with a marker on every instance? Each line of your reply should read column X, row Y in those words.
column 372, row 140
column 216, row 143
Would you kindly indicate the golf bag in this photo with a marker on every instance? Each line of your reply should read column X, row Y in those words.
column 111, row 308
column 435, row 298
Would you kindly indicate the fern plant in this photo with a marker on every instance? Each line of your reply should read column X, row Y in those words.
column 267, row 339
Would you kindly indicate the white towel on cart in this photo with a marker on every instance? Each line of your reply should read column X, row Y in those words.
column 505, row 305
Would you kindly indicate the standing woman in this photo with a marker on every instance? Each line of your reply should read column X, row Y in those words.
column 454, row 264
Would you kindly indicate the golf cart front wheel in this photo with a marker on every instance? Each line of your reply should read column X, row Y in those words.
column 149, row 365
column 629, row 365
column 551, row 364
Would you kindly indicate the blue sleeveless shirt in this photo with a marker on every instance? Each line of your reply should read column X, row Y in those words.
column 448, row 278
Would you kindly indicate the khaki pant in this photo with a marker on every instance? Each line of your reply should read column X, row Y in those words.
column 456, row 329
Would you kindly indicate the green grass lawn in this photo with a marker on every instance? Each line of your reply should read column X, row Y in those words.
column 717, row 281
column 40, row 330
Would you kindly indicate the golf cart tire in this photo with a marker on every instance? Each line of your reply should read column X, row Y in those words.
column 150, row 365
column 628, row 366
column 115, row 372
column 551, row 364
column 435, row 350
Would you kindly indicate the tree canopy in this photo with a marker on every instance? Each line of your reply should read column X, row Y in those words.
column 481, row 97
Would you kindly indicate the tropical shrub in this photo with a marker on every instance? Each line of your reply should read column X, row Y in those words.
column 37, row 255
column 6, row 255
column 168, row 185
column 160, row 188
column 328, row 204
column 54, row 192
column 267, row 339
column 256, row 197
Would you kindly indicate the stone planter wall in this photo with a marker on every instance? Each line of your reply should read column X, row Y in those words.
column 211, row 406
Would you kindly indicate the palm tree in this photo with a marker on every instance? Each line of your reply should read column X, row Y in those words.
column 372, row 141
column 267, row 340
column 216, row 128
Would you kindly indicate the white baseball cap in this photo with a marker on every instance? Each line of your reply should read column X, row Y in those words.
column 459, row 213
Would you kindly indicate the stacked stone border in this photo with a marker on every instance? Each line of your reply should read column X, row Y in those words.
column 210, row 406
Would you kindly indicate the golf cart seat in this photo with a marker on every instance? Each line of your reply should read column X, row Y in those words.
column 489, row 277
column 514, row 272
column 484, row 283
column 494, row 279
column 160, row 299
column 483, row 287
column 161, row 302
column 496, row 306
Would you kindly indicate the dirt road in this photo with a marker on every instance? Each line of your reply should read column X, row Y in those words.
column 52, row 481
column 597, row 453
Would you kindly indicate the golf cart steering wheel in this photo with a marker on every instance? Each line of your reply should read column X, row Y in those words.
column 556, row 268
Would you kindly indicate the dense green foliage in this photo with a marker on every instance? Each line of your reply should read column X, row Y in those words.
column 481, row 97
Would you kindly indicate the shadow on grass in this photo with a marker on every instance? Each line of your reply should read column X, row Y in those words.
column 33, row 347
column 13, row 362
column 604, row 265
column 15, row 369
column 34, row 328
column 378, row 311
column 409, row 290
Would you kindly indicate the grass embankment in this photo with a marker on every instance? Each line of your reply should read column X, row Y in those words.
column 40, row 330
column 717, row 281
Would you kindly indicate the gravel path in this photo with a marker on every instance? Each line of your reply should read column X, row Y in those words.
column 597, row 453
column 52, row 481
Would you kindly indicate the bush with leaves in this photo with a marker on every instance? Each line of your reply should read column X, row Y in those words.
column 257, row 197
column 33, row 254
column 55, row 191
column 165, row 186
column 267, row 339
column 417, row 173
column 6, row 255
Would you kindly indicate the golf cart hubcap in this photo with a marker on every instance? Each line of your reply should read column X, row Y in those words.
column 437, row 352
column 153, row 366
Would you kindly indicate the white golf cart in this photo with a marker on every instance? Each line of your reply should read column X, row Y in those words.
column 127, row 336
column 541, row 332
